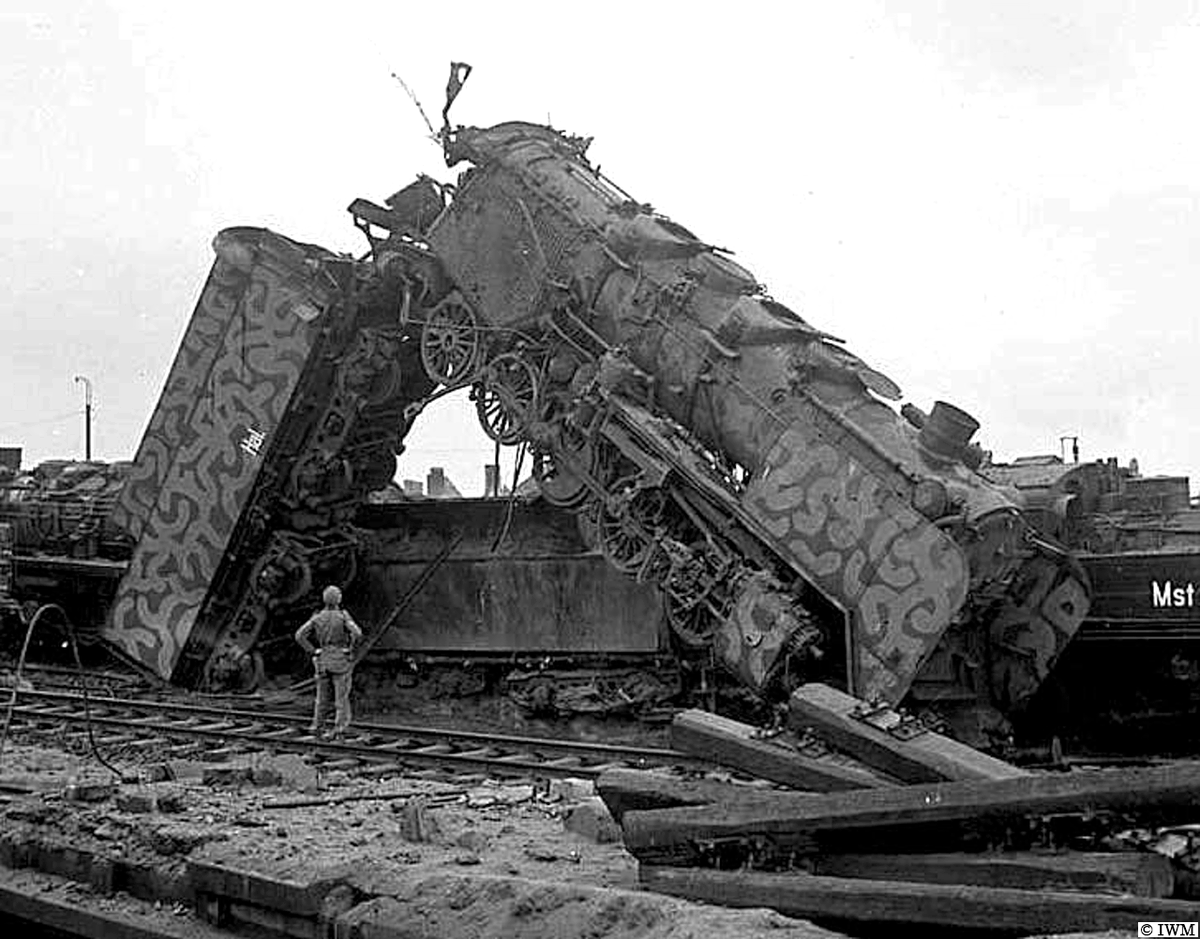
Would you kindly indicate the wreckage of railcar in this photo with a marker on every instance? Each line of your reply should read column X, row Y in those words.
column 711, row 442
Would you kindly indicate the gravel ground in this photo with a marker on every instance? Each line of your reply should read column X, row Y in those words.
column 482, row 859
column 477, row 859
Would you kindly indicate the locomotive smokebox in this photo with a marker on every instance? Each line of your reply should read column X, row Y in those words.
column 947, row 432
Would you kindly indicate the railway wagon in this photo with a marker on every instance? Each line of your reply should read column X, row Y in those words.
column 1131, row 678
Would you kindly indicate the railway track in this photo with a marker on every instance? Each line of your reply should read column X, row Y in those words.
column 65, row 677
column 122, row 721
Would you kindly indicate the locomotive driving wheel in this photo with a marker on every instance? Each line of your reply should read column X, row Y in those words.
column 450, row 342
column 505, row 398
column 693, row 592
column 691, row 619
column 560, row 471
column 627, row 532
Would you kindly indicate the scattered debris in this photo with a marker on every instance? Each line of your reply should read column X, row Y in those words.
column 90, row 791
column 570, row 789
column 416, row 823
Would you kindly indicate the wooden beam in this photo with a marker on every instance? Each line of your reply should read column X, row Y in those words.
column 808, row 896
column 636, row 790
column 736, row 745
column 901, row 816
column 1138, row 873
column 927, row 757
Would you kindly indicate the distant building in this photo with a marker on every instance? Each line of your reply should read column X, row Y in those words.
column 413, row 487
column 439, row 486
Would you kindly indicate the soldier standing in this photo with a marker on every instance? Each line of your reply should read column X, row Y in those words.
column 336, row 633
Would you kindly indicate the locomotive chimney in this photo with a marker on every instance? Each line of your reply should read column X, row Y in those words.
column 947, row 432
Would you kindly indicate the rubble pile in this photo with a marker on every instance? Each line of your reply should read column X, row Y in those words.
column 274, row 846
column 843, row 816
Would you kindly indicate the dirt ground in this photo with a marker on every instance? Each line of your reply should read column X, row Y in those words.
column 475, row 858
column 482, row 858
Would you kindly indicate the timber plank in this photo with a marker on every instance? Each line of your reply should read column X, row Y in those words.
column 1138, row 873
column 635, row 790
column 734, row 744
column 928, row 757
column 794, row 821
column 808, row 896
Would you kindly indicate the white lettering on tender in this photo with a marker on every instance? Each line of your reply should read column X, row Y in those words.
column 1167, row 594
column 253, row 441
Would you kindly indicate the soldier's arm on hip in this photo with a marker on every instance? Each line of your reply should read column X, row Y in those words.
column 302, row 635
column 353, row 628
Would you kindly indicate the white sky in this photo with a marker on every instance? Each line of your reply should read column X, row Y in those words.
column 994, row 203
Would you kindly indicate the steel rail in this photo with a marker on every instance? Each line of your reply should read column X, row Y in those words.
column 465, row 751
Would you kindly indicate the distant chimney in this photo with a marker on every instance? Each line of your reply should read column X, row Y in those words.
column 413, row 487
column 435, row 482
column 491, row 479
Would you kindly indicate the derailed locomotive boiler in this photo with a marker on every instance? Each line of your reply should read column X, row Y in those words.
column 712, row 441
column 709, row 440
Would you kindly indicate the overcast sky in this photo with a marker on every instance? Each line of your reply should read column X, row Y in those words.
column 993, row 203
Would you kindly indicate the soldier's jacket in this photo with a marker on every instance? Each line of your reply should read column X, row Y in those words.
column 336, row 633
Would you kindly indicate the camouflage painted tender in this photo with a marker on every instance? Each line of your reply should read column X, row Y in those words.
column 248, row 342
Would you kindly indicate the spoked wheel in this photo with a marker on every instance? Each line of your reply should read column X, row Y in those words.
column 450, row 342
column 505, row 398
column 627, row 535
column 560, row 472
column 690, row 619
column 693, row 587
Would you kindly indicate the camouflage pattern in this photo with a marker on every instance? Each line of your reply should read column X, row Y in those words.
column 718, row 445
column 901, row 580
column 246, row 346
column 887, row 522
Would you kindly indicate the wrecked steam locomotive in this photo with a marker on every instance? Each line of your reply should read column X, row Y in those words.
column 710, row 440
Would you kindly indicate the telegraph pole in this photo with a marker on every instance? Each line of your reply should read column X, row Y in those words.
column 87, row 416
